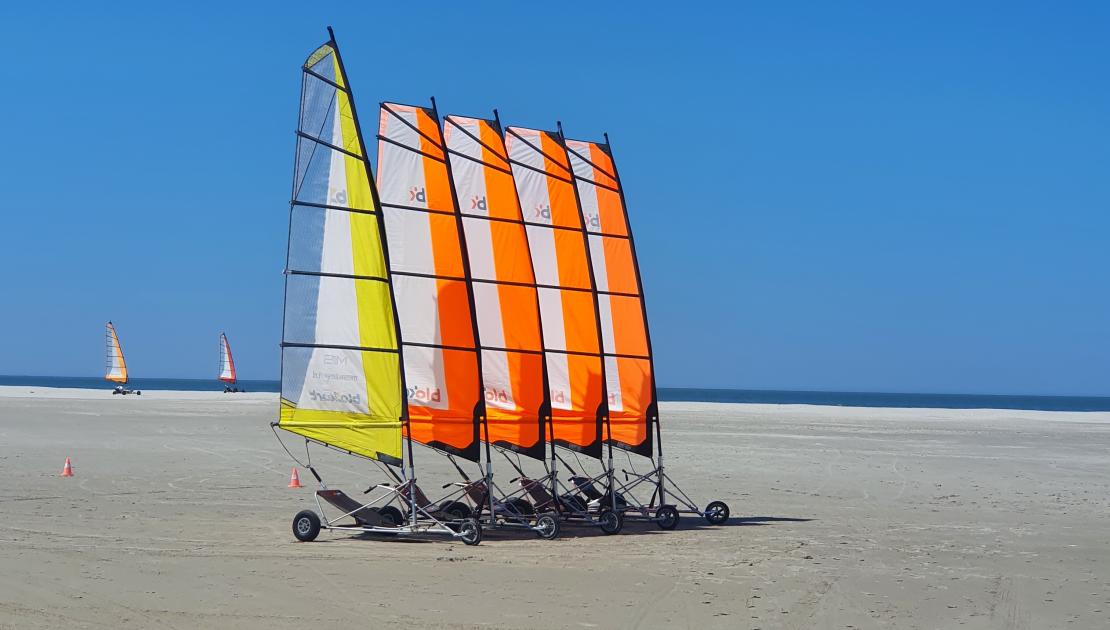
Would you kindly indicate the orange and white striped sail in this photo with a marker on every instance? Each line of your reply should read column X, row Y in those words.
column 429, row 281
column 116, row 366
column 630, row 381
column 504, row 287
column 227, row 364
column 557, row 242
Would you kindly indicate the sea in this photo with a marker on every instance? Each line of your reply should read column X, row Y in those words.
column 765, row 396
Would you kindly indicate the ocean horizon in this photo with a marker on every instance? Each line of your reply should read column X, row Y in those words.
column 674, row 394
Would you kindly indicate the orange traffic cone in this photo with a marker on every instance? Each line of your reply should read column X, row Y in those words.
column 294, row 479
column 67, row 470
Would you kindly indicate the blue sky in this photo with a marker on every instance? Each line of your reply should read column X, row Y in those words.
column 841, row 196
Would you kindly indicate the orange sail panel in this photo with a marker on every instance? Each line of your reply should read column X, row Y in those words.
column 505, row 297
column 117, row 368
column 429, row 281
column 629, row 377
column 557, row 242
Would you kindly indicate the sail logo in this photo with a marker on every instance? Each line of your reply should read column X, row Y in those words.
column 424, row 394
column 335, row 359
column 593, row 221
column 339, row 198
column 543, row 211
column 418, row 195
column 558, row 397
column 478, row 203
column 332, row 397
column 498, row 395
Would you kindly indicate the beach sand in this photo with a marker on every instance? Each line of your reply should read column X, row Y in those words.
column 178, row 517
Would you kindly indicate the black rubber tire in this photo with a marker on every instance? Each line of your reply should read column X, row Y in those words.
column 520, row 505
column 471, row 531
column 138, row 393
column 717, row 512
column 115, row 392
column 306, row 526
column 455, row 509
column 667, row 516
column 611, row 522
column 573, row 504
column 391, row 516
column 548, row 526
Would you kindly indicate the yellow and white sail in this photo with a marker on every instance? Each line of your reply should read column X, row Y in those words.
column 341, row 365
column 116, row 366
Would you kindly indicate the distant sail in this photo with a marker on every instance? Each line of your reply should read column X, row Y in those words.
column 429, row 281
column 506, row 302
column 557, row 241
column 341, row 370
column 630, row 380
column 227, row 364
column 117, row 367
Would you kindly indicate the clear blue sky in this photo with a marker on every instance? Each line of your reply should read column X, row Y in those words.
column 843, row 196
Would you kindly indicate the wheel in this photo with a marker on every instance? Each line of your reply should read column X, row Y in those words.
column 667, row 517
column 470, row 532
column 611, row 522
column 547, row 526
column 138, row 393
column 306, row 526
column 456, row 510
column 391, row 516
column 519, row 505
column 115, row 391
column 716, row 512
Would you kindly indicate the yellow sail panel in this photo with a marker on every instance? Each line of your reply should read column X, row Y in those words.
column 341, row 374
column 117, row 367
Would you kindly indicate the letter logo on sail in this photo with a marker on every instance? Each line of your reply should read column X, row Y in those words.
column 478, row 203
column 418, row 195
column 543, row 211
column 418, row 394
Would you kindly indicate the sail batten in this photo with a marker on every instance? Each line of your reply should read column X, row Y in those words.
column 341, row 364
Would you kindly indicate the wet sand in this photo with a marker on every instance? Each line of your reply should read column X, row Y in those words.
column 178, row 517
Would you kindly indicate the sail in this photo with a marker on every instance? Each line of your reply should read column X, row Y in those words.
column 340, row 359
column 227, row 364
column 568, row 311
column 505, row 298
column 117, row 367
column 429, row 280
column 630, row 380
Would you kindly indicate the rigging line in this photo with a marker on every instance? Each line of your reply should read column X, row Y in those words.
column 273, row 427
column 477, row 139
column 528, row 142
column 386, row 106
column 329, row 145
column 482, row 162
column 331, row 103
column 414, row 150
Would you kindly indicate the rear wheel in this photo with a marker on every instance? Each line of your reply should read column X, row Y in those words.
column 470, row 531
column 716, row 512
column 611, row 522
column 391, row 516
column 138, row 393
column 455, row 510
column 306, row 526
column 667, row 517
column 547, row 526
column 518, row 505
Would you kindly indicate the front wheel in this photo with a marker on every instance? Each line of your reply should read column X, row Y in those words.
column 667, row 517
column 547, row 527
column 470, row 531
column 716, row 512
column 138, row 393
column 306, row 526
column 611, row 522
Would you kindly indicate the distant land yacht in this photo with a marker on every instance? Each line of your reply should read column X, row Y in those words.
column 227, row 367
column 117, row 367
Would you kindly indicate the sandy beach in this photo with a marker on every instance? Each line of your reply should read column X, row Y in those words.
column 178, row 517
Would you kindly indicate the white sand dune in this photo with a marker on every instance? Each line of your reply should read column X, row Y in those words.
column 178, row 517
